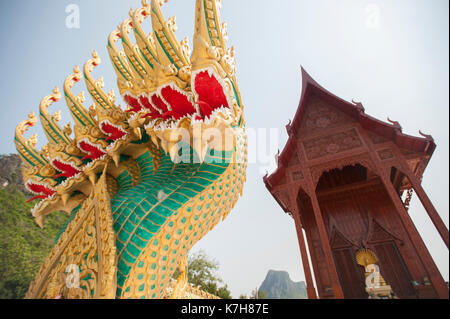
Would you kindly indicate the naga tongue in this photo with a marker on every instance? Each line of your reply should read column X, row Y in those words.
column 153, row 116
column 41, row 191
column 93, row 152
column 133, row 103
column 205, row 109
column 113, row 132
column 66, row 170
column 37, row 197
column 169, row 114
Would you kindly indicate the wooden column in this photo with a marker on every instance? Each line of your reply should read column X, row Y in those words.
column 429, row 207
column 301, row 241
column 335, row 283
column 423, row 253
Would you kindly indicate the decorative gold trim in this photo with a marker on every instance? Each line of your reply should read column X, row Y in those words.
column 90, row 234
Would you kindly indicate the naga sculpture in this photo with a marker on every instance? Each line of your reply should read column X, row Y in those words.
column 144, row 184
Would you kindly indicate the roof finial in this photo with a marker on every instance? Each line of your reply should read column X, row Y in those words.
column 428, row 137
column 289, row 127
column 395, row 124
column 359, row 106
column 277, row 157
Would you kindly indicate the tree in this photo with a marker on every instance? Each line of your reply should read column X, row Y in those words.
column 262, row 294
column 23, row 245
column 202, row 273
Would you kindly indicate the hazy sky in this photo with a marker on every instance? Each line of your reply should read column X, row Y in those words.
column 391, row 55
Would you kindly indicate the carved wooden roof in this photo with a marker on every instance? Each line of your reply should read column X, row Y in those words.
column 383, row 131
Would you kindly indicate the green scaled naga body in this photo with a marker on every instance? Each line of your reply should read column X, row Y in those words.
column 141, row 185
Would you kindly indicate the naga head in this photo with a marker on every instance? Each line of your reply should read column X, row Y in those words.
column 175, row 98
column 149, row 180
column 173, row 93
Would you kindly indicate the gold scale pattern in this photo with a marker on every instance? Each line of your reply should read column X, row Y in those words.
column 88, row 242
column 168, row 249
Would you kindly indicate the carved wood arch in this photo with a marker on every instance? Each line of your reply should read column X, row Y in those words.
column 391, row 261
column 339, row 240
column 378, row 233
column 351, row 275
column 319, row 170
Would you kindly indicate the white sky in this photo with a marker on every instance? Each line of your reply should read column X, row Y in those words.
column 390, row 55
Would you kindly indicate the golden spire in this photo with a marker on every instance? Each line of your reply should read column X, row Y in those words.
column 75, row 103
column 95, row 88
column 27, row 147
column 208, row 25
column 55, row 134
column 125, row 79
column 145, row 43
column 168, row 47
column 139, row 67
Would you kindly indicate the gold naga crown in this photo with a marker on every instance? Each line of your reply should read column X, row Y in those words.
column 165, row 90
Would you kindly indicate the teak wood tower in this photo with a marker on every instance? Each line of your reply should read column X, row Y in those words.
column 342, row 176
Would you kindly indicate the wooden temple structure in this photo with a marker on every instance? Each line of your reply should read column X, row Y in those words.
column 346, row 178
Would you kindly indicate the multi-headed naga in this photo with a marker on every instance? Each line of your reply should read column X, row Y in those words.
column 144, row 184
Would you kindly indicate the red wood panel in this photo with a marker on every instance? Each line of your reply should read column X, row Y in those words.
column 350, row 276
column 353, row 213
column 394, row 271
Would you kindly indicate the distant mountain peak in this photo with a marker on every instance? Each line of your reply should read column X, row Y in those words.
column 10, row 172
column 278, row 285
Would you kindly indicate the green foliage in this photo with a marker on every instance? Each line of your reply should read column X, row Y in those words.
column 23, row 245
column 202, row 273
column 262, row 294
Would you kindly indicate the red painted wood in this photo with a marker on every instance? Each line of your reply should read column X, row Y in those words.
column 394, row 271
column 306, row 268
column 343, row 159
column 350, row 276
column 430, row 209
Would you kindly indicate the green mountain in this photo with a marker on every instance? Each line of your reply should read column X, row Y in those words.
column 23, row 245
column 278, row 285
